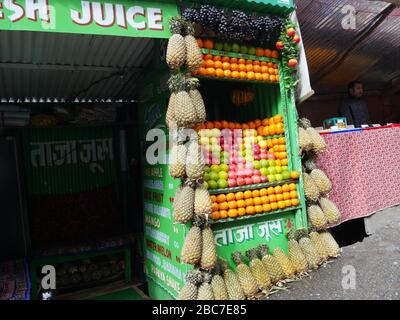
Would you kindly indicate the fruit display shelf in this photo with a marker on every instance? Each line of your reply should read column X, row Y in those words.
column 238, row 55
column 235, row 80
column 252, row 186
column 256, row 215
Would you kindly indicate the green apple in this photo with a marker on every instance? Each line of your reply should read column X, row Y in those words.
column 257, row 164
column 205, row 184
column 206, row 176
column 285, row 168
column 215, row 133
column 244, row 50
column 278, row 177
column 215, row 168
column 212, row 184
column 271, row 178
column 222, row 184
column 216, row 149
column 278, row 169
column 224, row 167
column 208, row 169
column 264, row 163
column 286, row 175
column 219, row 46
column 227, row 47
column 249, row 158
column 264, row 171
column 252, row 51
column 263, row 144
column 204, row 141
column 223, row 175
column 260, row 139
column 214, row 140
column 235, row 47
column 271, row 170
column 207, row 133
column 271, row 163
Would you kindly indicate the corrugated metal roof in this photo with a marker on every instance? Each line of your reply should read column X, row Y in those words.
column 40, row 64
column 337, row 56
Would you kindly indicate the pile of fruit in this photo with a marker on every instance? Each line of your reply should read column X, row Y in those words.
column 234, row 68
column 265, row 271
column 321, row 211
column 234, row 25
column 250, row 202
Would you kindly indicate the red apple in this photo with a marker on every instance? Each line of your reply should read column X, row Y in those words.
column 256, row 179
column 232, row 167
column 240, row 181
column 280, row 45
column 264, row 179
column 257, row 157
column 296, row 39
column 263, row 155
column 256, row 172
column 291, row 32
column 249, row 172
column 292, row 63
column 249, row 165
column 248, row 181
column 232, row 183
column 232, row 175
column 271, row 156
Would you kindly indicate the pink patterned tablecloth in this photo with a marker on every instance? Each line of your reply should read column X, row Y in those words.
column 364, row 168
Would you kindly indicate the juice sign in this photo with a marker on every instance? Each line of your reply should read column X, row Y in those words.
column 109, row 17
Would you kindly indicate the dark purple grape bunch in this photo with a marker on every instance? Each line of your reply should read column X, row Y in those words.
column 191, row 15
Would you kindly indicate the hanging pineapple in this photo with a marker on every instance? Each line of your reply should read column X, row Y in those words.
column 190, row 289
column 311, row 190
column 317, row 217
column 330, row 244
column 330, row 210
column 309, row 163
column 170, row 115
column 202, row 201
column 295, row 254
column 272, row 265
column 322, row 181
column 258, row 270
column 194, row 57
column 176, row 50
column 218, row 284
column 177, row 161
column 233, row 287
column 192, row 246
column 195, row 163
column 309, row 251
column 184, row 205
column 209, row 250
column 197, row 99
column 304, row 123
column 304, row 140
column 246, row 279
column 318, row 143
column 205, row 290
column 318, row 244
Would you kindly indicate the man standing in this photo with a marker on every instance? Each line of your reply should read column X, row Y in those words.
column 353, row 107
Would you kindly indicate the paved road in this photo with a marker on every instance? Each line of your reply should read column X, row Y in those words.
column 375, row 261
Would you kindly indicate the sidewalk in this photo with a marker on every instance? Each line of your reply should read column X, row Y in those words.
column 376, row 262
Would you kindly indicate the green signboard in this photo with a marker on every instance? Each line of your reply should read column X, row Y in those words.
column 103, row 17
column 69, row 160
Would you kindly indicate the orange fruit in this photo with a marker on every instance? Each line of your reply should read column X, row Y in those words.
column 283, row 155
column 265, row 199
column 278, row 118
column 241, row 212
column 293, row 194
column 217, row 64
column 255, row 193
column 272, row 198
column 282, row 140
column 245, row 125
column 226, row 59
column 257, row 69
column 265, row 131
column 256, row 63
column 284, row 162
column 251, row 75
column 243, row 76
column 275, row 141
column 249, row 202
column 241, row 61
column 228, row 73
column 215, row 215
column 265, row 76
column 232, row 204
column 294, row 175
column 230, row 197
column 250, row 210
column 208, row 44
column 277, row 78
column 232, row 213
column 236, row 75
column 249, row 61
column 281, row 205
column 286, row 196
column 211, row 72
column 272, row 129
column 233, row 60
column 260, row 130
column 259, row 208
column 220, row 73
column 278, row 163
column 210, row 125
column 249, row 68
column 241, row 203
column 217, row 124
column 276, row 71
column 234, row 67
column 200, row 42
column 285, row 188
column 215, row 206
column 203, row 71
column 238, row 125
column 274, row 205
column 272, row 78
column 257, row 122
column 263, row 192
column 268, row 53
column 282, row 147
column 248, row 194
column 213, row 198
column 278, row 190
column 264, row 69
column 280, row 128
column 223, row 214
column 259, row 52
column 217, row 58
column 259, row 76
column 295, row 202
column 210, row 64
column 221, row 198
column 270, row 65
column 271, row 190
column 271, row 71
column 276, row 148
column 288, row 203
column 208, row 57
column 231, row 126
column 257, row 201
column 266, row 207
column 224, row 124
column 275, row 54
column 251, row 124
column 226, row 66
column 265, row 122
column 263, row 63
column 292, row 187
column 279, row 197
column 223, row 206
column 239, row 195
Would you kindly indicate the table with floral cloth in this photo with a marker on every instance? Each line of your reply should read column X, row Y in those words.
column 364, row 168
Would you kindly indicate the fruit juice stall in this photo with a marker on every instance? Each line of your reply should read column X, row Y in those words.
column 223, row 182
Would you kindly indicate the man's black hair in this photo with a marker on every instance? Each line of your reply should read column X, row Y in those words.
column 352, row 84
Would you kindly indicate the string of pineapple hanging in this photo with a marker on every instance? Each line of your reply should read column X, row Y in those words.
column 192, row 203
